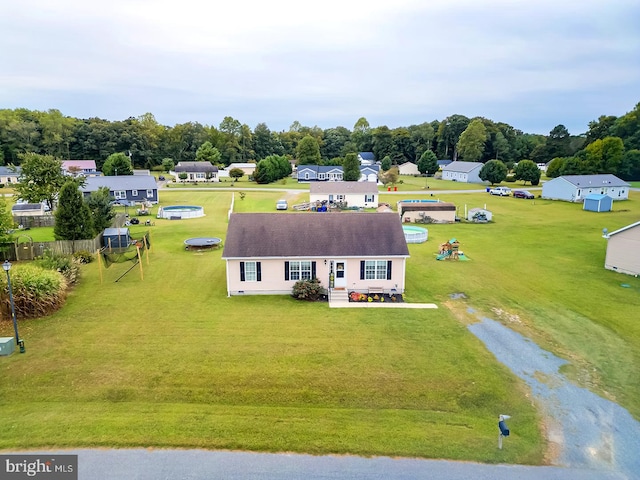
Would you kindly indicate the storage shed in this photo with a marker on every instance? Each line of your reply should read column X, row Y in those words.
column 116, row 238
column 597, row 202
column 425, row 211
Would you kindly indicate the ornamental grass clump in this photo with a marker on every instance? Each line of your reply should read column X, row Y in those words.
column 64, row 264
column 36, row 291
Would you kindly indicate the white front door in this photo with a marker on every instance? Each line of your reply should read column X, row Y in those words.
column 340, row 274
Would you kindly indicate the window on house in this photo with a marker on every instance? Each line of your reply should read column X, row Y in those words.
column 120, row 194
column 306, row 176
column 300, row 270
column 149, row 193
column 368, row 198
column 250, row 272
column 340, row 198
column 200, row 176
column 134, row 193
column 375, row 270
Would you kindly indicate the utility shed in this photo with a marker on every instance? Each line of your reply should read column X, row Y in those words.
column 426, row 212
column 597, row 202
column 623, row 250
column 116, row 238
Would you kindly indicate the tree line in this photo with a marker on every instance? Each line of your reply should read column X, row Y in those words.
column 151, row 145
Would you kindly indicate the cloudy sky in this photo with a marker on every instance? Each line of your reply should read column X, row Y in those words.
column 532, row 64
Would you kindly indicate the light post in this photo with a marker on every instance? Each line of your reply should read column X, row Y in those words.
column 7, row 266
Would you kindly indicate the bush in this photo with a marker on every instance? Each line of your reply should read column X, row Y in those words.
column 36, row 291
column 60, row 263
column 511, row 178
column 310, row 290
column 83, row 256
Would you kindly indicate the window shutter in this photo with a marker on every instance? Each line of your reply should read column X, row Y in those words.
column 259, row 271
column 361, row 269
column 242, row 271
column 389, row 270
column 313, row 270
column 286, row 270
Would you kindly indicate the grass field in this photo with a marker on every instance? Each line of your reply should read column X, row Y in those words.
column 171, row 361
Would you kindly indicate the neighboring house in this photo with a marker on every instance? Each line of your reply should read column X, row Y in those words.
column 247, row 168
column 444, row 163
column 574, row 188
column 597, row 202
column 28, row 210
column 355, row 194
column 266, row 253
column 196, row 172
column 468, row 172
column 142, row 172
column 366, row 158
column 9, row 175
column 333, row 173
column 129, row 188
column 78, row 168
column 408, row 168
column 623, row 250
column 426, row 212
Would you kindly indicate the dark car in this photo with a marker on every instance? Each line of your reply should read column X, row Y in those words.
column 161, row 178
column 523, row 194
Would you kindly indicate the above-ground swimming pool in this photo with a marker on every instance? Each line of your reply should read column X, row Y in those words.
column 415, row 234
column 175, row 212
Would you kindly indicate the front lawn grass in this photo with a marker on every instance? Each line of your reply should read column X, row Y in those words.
column 170, row 361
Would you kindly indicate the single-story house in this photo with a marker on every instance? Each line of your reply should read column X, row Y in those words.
column 366, row 158
column 479, row 215
column 334, row 173
column 267, row 253
column 597, row 202
column 141, row 172
column 420, row 211
column 623, row 250
column 355, row 194
column 248, row 169
column 130, row 188
column 28, row 210
column 444, row 163
column 77, row 168
column 196, row 172
column 574, row 188
column 468, row 172
column 408, row 168
column 9, row 175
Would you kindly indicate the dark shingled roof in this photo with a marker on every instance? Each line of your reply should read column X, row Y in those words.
column 314, row 235
column 427, row 207
column 202, row 167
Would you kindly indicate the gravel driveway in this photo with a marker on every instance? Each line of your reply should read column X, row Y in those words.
column 589, row 431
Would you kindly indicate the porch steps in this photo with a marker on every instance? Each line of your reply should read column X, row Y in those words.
column 338, row 296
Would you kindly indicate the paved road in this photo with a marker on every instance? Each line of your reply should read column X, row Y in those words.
column 144, row 464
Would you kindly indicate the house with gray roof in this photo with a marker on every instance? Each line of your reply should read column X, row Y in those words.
column 334, row 173
column 623, row 250
column 574, row 188
column 354, row 194
column 267, row 253
column 196, row 172
column 467, row 172
column 9, row 175
column 125, row 188
column 366, row 158
column 77, row 168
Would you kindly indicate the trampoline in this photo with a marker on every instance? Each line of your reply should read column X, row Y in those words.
column 202, row 242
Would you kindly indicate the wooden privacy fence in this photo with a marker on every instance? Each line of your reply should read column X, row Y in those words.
column 33, row 221
column 26, row 249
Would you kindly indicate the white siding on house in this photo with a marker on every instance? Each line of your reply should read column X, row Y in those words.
column 623, row 251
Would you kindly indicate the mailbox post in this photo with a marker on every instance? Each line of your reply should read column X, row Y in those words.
column 504, row 430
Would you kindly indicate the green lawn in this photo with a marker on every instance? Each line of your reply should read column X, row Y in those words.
column 171, row 361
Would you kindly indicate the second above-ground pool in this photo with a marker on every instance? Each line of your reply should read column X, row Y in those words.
column 177, row 212
column 415, row 234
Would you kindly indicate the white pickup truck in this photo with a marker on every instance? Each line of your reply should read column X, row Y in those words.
column 502, row 191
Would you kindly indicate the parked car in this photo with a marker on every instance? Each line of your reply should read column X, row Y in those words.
column 523, row 194
column 502, row 191
column 161, row 178
column 282, row 205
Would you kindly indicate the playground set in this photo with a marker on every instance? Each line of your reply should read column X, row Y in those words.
column 125, row 249
column 451, row 251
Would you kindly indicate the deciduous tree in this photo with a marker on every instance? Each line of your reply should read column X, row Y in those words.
column 494, row 171
column 528, row 171
column 117, row 164
column 208, row 153
column 472, row 140
column 41, row 179
column 308, row 151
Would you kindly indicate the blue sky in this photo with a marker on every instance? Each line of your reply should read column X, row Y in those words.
column 533, row 65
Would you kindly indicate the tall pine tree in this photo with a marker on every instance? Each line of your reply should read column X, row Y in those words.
column 73, row 215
